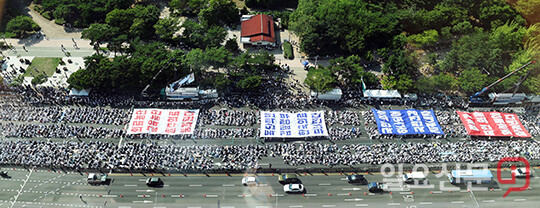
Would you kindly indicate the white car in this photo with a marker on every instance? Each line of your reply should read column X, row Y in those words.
column 520, row 172
column 250, row 181
column 293, row 188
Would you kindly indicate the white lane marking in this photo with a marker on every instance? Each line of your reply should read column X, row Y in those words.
column 261, row 207
column 211, row 196
column 426, row 202
column 147, row 190
column 394, row 204
column 310, row 194
column 145, row 201
column 361, row 205
column 343, row 194
column 292, row 206
column 142, row 180
column 343, row 179
column 195, row 184
column 263, row 184
column 129, row 185
column 488, row 201
column 193, row 207
column 244, row 195
column 404, row 192
column 329, row 205
column 351, row 189
column 355, row 199
column 437, row 192
column 520, row 200
column 228, row 185
column 325, row 184
column 227, row 206
column 457, row 202
column 124, row 207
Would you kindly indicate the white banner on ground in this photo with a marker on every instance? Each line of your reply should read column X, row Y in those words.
column 302, row 124
column 161, row 121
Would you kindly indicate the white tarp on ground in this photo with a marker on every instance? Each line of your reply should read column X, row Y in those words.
column 160, row 121
column 302, row 124
column 76, row 92
column 382, row 94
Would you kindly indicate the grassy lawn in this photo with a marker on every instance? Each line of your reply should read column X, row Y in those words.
column 42, row 64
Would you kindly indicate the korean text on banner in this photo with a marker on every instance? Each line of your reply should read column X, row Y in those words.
column 302, row 124
column 159, row 121
column 410, row 121
column 493, row 124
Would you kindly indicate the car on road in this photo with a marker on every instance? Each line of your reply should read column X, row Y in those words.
column 250, row 181
column 154, row 182
column 520, row 172
column 374, row 187
column 288, row 178
column 357, row 179
column 293, row 188
column 4, row 174
column 95, row 179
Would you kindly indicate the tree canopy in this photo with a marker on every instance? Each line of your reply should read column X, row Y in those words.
column 82, row 13
column 328, row 27
column 20, row 25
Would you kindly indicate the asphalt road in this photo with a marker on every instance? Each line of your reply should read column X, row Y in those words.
column 42, row 188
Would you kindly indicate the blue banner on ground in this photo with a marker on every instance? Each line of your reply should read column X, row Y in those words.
column 409, row 121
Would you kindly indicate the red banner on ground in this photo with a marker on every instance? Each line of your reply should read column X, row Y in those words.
column 493, row 124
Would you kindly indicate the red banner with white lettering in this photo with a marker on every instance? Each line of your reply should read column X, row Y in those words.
column 158, row 121
column 493, row 124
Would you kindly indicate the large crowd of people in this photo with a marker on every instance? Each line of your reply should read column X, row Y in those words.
column 151, row 157
column 28, row 113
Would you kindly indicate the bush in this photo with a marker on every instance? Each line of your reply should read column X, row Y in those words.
column 288, row 52
column 60, row 21
column 47, row 15
column 39, row 79
column 38, row 9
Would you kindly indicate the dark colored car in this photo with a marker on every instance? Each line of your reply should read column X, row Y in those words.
column 154, row 182
column 357, row 179
column 288, row 178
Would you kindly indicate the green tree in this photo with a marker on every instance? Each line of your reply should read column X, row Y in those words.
column 20, row 25
column 219, row 12
column 464, row 27
column 99, row 34
column 200, row 60
column 186, row 7
column 425, row 85
column 121, row 19
column 428, row 37
column 444, row 82
column 320, row 80
column 221, row 82
column 165, row 28
column 342, row 26
column 508, row 37
column 199, row 36
column 474, row 51
column 68, row 12
column 250, row 83
column 232, row 45
column 349, row 72
column 472, row 80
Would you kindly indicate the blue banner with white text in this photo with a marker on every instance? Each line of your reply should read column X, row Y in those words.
column 410, row 121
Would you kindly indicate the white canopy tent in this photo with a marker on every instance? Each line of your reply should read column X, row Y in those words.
column 382, row 94
column 76, row 92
